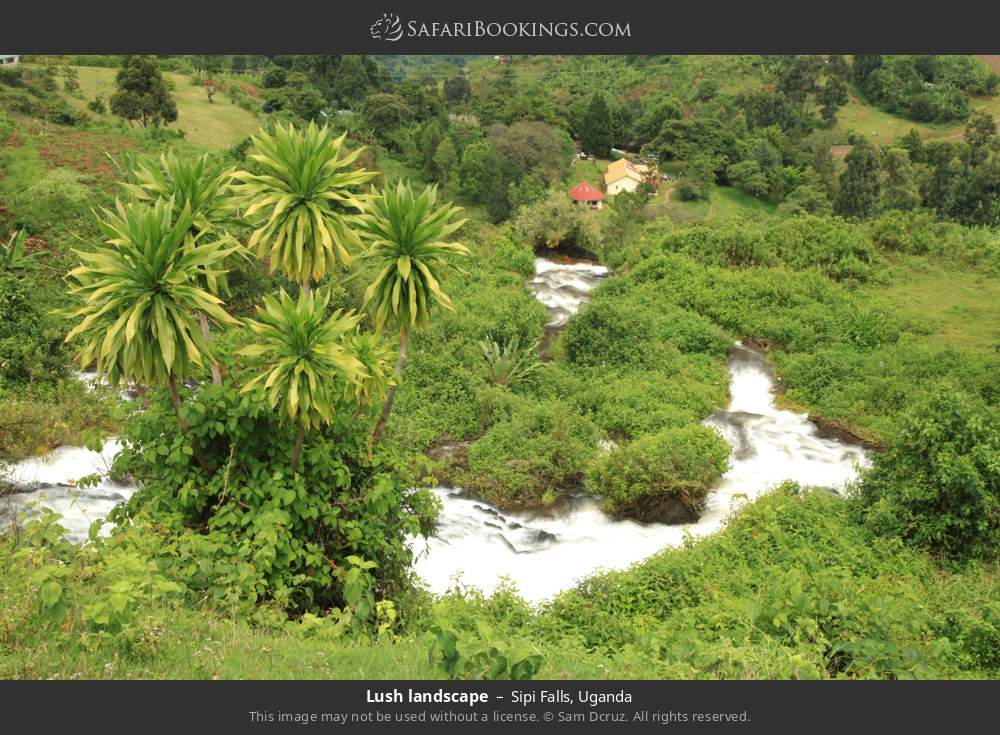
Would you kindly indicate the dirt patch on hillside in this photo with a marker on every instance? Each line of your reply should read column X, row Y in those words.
column 84, row 152
column 993, row 60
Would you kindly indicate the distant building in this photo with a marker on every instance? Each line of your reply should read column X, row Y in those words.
column 623, row 175
column 584, row 193
column 10, row 59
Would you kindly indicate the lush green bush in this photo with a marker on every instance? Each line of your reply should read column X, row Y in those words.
column 625, row 405
column 526, row 461
column 58, row 202
column 662, row 477
column 736, row 243
column 31, row 340
column 842, row 250
column 243, row 529
column 938, row 483
column 792, row 588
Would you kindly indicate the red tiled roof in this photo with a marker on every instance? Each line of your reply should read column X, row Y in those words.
column 584, row 192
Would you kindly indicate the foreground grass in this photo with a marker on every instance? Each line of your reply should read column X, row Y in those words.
column 793, row 587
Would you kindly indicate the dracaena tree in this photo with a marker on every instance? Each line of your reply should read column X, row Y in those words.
column 308, row 366
column 407, row 243
column 203, row 186
column 139, row 293
column 303, row 202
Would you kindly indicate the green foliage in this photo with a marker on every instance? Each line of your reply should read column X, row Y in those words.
column 142, row 95
column 925, row 88
column 843, row 251
column 938, row 483
column 555, row 221
column 406, row 234
column 792, row 588
column 241, row 529
column 510, row 364
column 661, row 477
column 308, row 365
column 542, row 449
column 139, row 293
column 480, row 653
column 306, row 198
column 596, row 136
column 12, row 253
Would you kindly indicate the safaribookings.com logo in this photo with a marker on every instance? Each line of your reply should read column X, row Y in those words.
column 390, row 28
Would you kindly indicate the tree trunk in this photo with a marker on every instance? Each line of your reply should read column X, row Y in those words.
column 297, row 449
column 390, row 396
column 207, row 334
column 307, row 286
column 176, row 398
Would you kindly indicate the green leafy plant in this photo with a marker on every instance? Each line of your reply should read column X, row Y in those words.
column 12, row 253
column 510, row 364
column 140, row 293
column 305, row 198
column 309, row 366
column 480, row 654
column 406, row 235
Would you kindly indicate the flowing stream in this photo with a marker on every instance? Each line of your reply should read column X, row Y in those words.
column 541, row 553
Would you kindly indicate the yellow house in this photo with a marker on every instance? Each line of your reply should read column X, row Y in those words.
column 623, row 175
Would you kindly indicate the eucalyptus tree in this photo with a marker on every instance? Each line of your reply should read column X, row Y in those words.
column 139, row 292
column 303, row 202
column 407, row 244
column 203, row 186
column 308, row 364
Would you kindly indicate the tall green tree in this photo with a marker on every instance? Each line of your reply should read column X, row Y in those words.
column 139, row 294
column 304, row 203
column 595, row 127
column 444, row 161
column 899, row 186
column 859, row 183
column 142, row 95
column 482, row 179
column 407, row 237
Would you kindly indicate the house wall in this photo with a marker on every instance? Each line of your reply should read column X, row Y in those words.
column 625, row 183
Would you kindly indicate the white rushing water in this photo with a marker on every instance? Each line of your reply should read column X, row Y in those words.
column 544, row 553
column 540, row 553
column 50, row 482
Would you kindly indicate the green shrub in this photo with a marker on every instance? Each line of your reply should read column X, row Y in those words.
column 661, row 477
column 242, row 529
column 480, row 653
column 526, row 461
column 842, row 250
column 738, row 243
column 510, row 257
column 938, row 483
column 628, row 405
column 31, row 340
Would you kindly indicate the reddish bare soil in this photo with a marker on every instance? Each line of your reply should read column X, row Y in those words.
column 993, row 60
column 84, row 152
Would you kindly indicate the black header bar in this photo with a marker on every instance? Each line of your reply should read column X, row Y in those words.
column 506, row 27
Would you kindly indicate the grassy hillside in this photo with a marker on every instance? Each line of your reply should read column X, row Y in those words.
column 216, row 124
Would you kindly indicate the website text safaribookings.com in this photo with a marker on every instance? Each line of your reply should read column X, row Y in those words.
column 482, row 29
